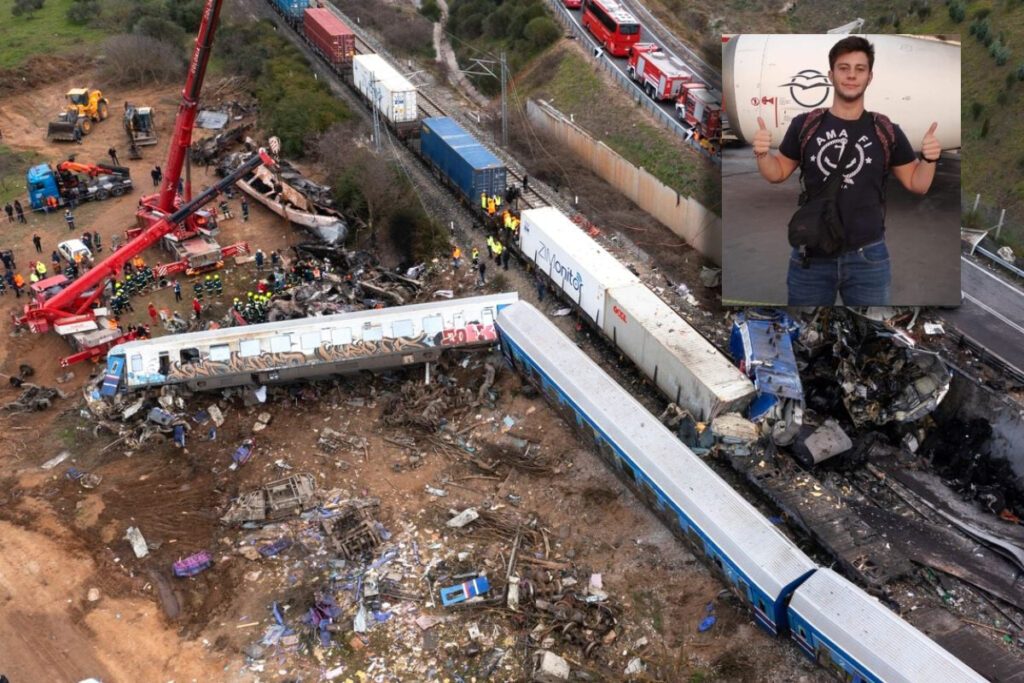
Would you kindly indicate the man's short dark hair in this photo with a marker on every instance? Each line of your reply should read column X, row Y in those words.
column 848, row 45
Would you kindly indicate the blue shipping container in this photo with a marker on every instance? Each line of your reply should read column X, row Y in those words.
column 292, row 9
column 462, row 160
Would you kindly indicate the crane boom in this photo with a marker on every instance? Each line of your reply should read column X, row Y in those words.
column 188, row 108
column 78, row 297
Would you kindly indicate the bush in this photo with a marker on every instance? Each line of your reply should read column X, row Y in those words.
column 976, row 109
column 163, row 30
column 1000, row 53
column 542, row 32
column 82, row 13
column 187, row 14
column 957, row 11
column 431, row 10
column 136, row 59
column 1020, row 72
column 26, row 7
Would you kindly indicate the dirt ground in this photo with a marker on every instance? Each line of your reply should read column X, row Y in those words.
column 60, row 541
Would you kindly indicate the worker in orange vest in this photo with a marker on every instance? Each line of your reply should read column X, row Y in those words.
column 456, row 255
column 19, row 282
column 490, row 206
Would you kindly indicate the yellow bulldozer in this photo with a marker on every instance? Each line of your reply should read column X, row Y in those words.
column 83, row 107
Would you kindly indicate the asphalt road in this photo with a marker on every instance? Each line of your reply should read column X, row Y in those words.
column 992, row 313
column 922, row 234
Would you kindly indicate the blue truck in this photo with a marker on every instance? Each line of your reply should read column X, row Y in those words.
column 461, row 161
column 80, row 182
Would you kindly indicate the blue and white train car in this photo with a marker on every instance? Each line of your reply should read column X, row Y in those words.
column 762, row 565
column 858, row 639
column 290, row 350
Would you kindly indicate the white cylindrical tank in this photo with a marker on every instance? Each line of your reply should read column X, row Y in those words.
column 778, row 77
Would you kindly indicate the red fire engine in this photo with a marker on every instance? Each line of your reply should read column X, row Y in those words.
column 701, row 108
column 661, row 75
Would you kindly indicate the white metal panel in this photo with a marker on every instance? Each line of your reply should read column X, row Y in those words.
column 872, row 635
column 682, row 363
column 576, row 263
column 769, row 559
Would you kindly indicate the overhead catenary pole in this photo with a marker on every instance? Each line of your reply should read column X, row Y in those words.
column 504, row 102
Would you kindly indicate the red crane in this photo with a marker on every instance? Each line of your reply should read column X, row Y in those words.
column 156, row 206
column 72, row 304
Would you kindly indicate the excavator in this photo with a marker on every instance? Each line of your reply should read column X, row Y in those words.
column 138, row 123
column 83, row 107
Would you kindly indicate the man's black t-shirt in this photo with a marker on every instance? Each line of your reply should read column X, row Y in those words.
column 860, row 196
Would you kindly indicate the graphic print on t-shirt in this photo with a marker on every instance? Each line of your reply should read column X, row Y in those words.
column 830, row 146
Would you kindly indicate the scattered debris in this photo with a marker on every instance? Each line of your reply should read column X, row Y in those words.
column 193, row 564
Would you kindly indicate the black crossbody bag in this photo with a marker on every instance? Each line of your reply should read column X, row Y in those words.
column 816, row 229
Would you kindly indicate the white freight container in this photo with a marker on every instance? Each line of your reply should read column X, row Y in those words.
column 395, row 96
column 578, row 265
column 684, row 365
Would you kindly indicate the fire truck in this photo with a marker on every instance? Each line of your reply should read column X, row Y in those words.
column 661, row 75
column 701, row 108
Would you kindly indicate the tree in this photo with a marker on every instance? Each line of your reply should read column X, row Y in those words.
column 26, row 7
column 138, row 60
column 542, row 32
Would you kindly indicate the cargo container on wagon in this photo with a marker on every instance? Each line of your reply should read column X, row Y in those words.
column 684, row 365
column 329, row 36
column 462, row 161
column 292, row 9
column 381, row 84
column 574, row 262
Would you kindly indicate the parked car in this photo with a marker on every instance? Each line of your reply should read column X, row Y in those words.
column 69, row 248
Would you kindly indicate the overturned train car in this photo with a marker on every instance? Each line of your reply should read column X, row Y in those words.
column 291, row 350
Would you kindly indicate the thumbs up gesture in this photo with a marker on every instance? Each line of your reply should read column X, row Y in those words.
column 762, row 138
column 931, row 148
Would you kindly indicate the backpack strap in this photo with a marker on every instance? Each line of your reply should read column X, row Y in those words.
column 886, row 132
column 810, row 127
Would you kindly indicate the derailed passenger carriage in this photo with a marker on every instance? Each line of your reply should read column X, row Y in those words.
column 291, row 350
column 684, row 365
column 833, row 621
column 759, row 563
column 857, row 638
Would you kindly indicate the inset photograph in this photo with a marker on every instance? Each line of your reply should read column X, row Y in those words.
column 845, row 189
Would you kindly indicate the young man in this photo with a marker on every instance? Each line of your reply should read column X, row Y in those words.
column 860, row 274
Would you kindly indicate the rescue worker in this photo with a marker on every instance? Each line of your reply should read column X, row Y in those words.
column 483, row 201
column 245, row 210
column 490, row 246
column 19, row 283
column 33, row 278
column 177, row 291
column 490, row 206
column 275, row 258
column 96, row 242
column 498, row 248
column 152, row 312
column 259, row 260
column 197, row 290
column 70, row 218
column 87, row 240
column 197, row 308
column 456, row 255
column 55, row 257
column 475, row 255
column 218, row 286
column 208, row 286
column 41, row 269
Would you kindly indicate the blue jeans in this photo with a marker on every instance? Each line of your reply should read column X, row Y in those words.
column 860, row 276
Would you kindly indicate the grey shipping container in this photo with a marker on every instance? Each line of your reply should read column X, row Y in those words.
column 461, row 160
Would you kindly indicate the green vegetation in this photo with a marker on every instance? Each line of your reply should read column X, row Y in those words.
column 13, row 166
column 294, row 105
column 521, row 29
column 44, row 31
